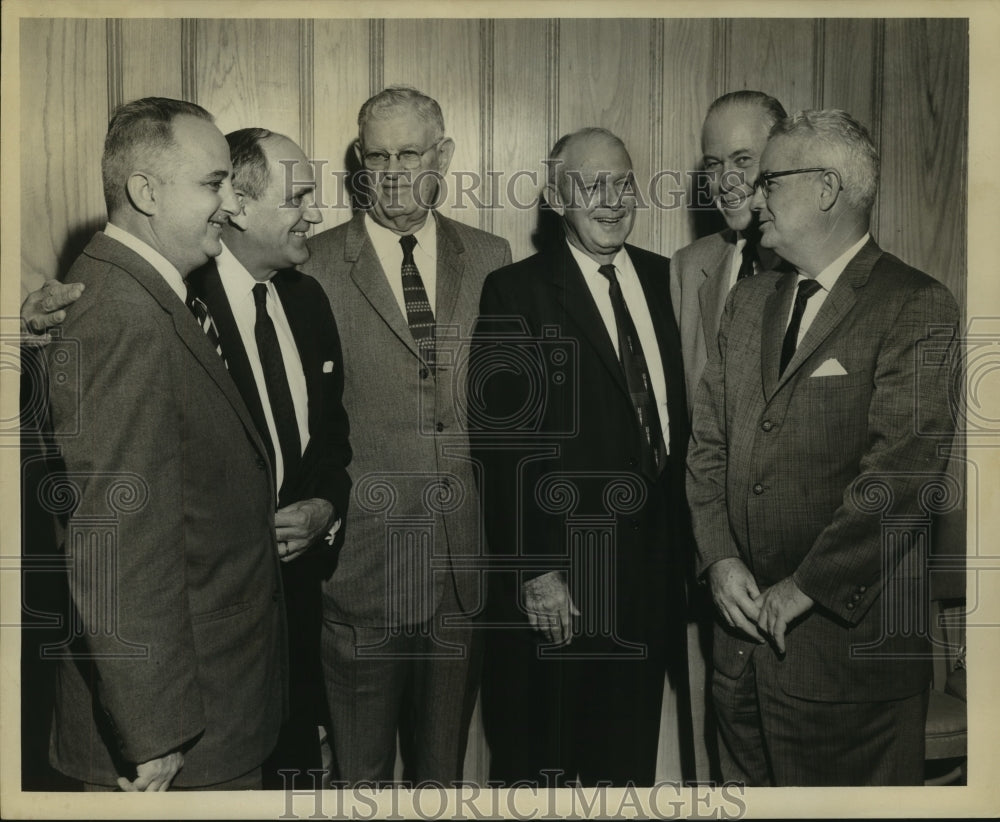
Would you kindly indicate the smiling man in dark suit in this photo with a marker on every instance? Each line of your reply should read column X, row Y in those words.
column 399, row 649
column 280, row 342
column 805, row 423
column 177, row 677
column 580, row 424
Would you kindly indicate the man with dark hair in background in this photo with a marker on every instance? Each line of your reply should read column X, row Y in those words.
column 178, row 674
column 280, row 342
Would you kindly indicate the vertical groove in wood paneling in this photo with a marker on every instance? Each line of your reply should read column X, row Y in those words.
column 115, row 78
column 552, row 73
column 878, row 72
column 721, row 36
column 307, row 100
column 656, row 40
column 819, row 63
column 189, row 60
column 486, row 99
column 376, row 56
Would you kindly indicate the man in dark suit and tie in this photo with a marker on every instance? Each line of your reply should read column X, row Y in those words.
column 580, row 424
column 177, row 676
column 399, row 650
column 817, row 426
column 732, row 140
column 280, row 342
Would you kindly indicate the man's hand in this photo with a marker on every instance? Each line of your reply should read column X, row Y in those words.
column 155, row 775
column 299, row 525
column 779, row 605
column 734, row 592
column 550, row 607
column 42, row 309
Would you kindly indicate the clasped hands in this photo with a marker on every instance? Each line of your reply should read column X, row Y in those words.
column 756, row 613
column 299, row 525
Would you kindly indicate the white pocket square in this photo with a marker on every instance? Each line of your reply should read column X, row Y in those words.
column 328, row 367
column 829, row 368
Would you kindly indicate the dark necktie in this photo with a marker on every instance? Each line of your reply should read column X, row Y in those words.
column 419, row 314
column 746, row 263
column 201, row 313
column 640, row 387
column 276, row 380
column 807, row 288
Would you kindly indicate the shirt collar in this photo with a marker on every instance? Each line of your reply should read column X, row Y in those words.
column 166, row 269
column 234, row 275
column 589, row 264
column 828, row 276
column 383, row 237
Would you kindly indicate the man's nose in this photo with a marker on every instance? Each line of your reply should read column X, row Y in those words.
column 230, row 202
column 312, row 214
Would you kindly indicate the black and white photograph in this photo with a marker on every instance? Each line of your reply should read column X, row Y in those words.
column 473, row 410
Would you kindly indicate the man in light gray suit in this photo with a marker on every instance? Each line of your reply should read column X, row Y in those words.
column 732, row 140
column 404, row 283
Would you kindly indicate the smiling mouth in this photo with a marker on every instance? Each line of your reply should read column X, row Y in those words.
column 731, row 200
column 218, row 223
column 610, row 220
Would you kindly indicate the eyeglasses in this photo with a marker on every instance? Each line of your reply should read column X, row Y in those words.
column 408, row 158
column 763, row 182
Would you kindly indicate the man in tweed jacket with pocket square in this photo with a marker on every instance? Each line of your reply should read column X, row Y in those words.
column 813, row 424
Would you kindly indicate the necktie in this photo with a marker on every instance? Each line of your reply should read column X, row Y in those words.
column 746, row 263
column 276, row 381
column 201, row 313
column 419, row 314
column 807, row 288
column 640, row 387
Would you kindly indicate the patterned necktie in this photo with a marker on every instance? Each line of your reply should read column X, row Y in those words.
column 204, row 317
column 746, row 263
column 640, row 387
column 807, row 288
column 419, row 314
column 276, row 380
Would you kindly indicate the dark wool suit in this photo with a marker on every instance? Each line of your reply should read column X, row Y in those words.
column 804, row 475
column 169, row 517
column 559, row 444
column 414, row 507
column 322, row 474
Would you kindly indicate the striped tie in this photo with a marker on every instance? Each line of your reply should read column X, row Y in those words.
column 640, row 386
column 419, row 315
column 204, row 318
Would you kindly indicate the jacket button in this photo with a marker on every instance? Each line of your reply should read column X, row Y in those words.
column 855, row 597
column 439, row 427
column 758, row 488
column 424, row 373
column 259, row 462
column 862, row 588
column 850, row 606
column 767, row 425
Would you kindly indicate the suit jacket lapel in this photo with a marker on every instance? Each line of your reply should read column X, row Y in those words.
column 772, row 330
column 576, row 299
column 185, row 325
column 713, row 291
column 299, row 313
column 449, row 271
column 366, row 271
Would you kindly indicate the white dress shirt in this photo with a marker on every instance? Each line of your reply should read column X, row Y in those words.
column 238, row 284
column 827, row 278
column 737, row 260
column 635, row 301
column 166, row 268
column 390, row 255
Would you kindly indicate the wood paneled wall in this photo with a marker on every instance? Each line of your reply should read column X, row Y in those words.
column 508, row 88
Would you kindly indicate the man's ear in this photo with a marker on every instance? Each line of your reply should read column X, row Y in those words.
column 445, row 151
column 551, row 196
column 832, row 186
column 141, row 190
column 240, row 219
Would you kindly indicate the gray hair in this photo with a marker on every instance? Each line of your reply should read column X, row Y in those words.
column 140, row 133
column 748, row 98
column 562, row 145
column 251, row 173
column 848, row 145
column 387, row 101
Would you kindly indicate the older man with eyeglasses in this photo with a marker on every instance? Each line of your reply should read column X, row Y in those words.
column 399, row 651
column 816, row 420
